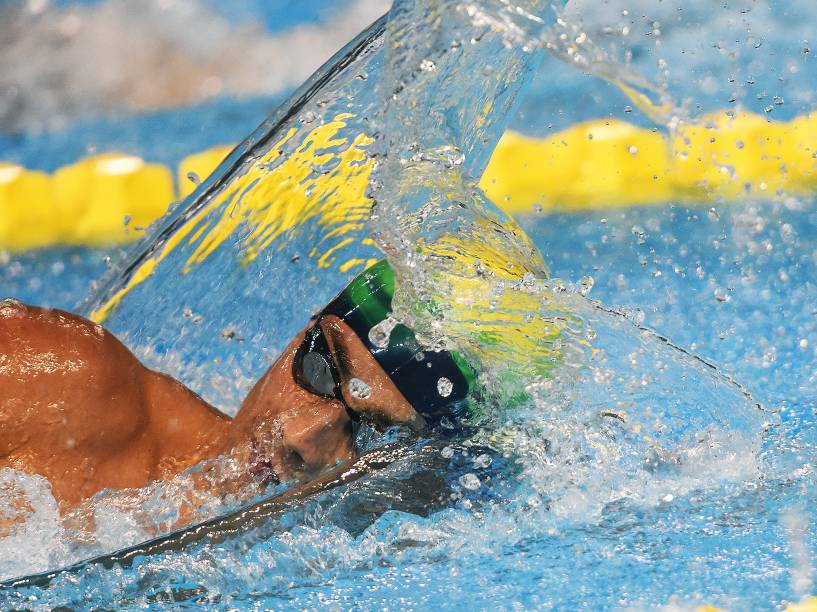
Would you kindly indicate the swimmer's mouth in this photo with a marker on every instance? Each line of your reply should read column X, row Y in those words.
column 264, row 474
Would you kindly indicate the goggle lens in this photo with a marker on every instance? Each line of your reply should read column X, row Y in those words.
column 316, row 374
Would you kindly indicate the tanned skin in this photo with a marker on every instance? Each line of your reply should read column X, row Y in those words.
column 77, row 407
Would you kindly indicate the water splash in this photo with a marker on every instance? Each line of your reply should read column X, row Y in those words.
column 633, row 426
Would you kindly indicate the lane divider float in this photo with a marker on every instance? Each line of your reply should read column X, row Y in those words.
column 724, row 157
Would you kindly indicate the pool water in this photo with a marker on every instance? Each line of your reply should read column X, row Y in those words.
column 724, row 530
column 558, row 507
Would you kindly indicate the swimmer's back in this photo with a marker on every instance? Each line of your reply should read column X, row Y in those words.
column 77, row 407
column 53, row 366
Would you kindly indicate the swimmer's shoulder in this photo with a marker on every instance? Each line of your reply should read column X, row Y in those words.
column 33, row 329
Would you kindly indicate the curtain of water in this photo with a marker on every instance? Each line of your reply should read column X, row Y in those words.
column 469, row 276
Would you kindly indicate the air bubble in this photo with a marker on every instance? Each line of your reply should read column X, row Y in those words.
column 482, row 461
column 470, row 481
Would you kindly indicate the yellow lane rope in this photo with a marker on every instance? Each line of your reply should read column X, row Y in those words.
column 110, row 198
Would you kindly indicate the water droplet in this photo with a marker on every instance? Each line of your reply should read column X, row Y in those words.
column 633, row 150
column 447, row 452
column 713, row 214
column 470, row 481
column 359, row 389
column 722, row 295
column 444, row 386
column 379, row 334
column 586, row 285
column 308, row 117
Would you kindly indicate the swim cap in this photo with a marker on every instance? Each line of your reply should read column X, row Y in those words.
column 431, row 381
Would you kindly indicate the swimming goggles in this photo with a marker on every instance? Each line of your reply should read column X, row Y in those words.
column 431, row 381
column 314, row 367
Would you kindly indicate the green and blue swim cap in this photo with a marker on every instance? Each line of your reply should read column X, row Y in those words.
column 432, row 381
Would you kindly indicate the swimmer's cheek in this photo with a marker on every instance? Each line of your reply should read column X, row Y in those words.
column 315, row 447
column 385, row 407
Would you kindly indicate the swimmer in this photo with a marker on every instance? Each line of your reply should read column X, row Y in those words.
column 77, row 407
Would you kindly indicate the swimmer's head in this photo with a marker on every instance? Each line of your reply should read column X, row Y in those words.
column 431, row 382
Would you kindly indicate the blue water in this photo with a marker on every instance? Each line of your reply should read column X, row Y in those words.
column 714, row 543
column 734, row 284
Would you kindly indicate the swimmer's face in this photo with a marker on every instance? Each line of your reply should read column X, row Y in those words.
column 298, row 429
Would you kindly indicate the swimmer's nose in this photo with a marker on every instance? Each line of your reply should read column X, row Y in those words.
column 318, row 438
